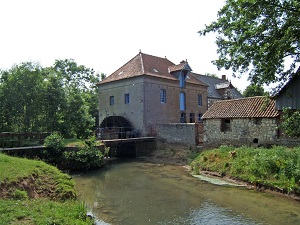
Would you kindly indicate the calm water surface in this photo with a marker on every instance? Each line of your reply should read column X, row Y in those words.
column 136, row 192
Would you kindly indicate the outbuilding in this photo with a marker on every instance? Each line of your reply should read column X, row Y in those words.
column 244, row 121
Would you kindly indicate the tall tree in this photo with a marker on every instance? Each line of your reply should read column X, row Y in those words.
column 79, row 83
column 21, row 100
column 61, row 98
column 254, row 90
column 258, row 37
column 54, row 101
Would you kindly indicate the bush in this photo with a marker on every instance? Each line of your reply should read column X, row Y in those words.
column 54, row 141
column 291, row 122
column 54, row 144
column 88, row 156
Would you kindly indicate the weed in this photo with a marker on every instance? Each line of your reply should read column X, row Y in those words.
column 277, row 167
column 19, row 195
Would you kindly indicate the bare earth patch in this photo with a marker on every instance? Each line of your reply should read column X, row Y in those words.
column 33, row 187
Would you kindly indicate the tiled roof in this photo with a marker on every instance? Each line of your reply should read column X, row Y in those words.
column 212, row 82
column 253, row 107
column 176, row 67
column 144, row 64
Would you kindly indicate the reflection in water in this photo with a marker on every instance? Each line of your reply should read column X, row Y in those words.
column 142, row 193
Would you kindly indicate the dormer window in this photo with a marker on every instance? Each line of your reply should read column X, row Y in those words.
column 181, row 72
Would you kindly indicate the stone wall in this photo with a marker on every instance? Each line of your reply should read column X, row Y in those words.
column 181, row 133
column 240, row 131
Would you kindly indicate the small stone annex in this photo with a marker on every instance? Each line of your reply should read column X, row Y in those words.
column 246, row 121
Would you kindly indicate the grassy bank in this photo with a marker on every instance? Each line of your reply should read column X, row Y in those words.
column 32, row 192
column 277, row 168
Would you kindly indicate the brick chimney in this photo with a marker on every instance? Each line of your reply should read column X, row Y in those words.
column 223, row 77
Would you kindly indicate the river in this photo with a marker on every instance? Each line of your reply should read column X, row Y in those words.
column 136, row 192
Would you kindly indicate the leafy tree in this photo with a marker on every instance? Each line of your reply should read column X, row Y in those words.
column 80, row 109
column 290, row 122
column 60, row 98
column 258, row 37
column 54, row 101
column 254, row 90
column 21, row 98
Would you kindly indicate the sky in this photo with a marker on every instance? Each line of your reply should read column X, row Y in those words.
column 104, row 35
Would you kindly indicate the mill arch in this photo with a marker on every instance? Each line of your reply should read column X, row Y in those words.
column 113, row 127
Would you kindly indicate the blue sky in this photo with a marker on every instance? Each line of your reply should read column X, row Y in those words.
column 104, row 35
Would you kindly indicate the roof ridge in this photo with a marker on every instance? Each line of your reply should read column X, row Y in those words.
column 239, row 99
column 142, row 62
column 124, row 64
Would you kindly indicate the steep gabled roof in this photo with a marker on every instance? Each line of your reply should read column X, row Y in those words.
column 144, row 64
column 253, row 107
column 217, row 83
column 182, row 66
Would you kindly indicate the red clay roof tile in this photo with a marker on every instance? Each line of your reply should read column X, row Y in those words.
column 252, row 107
column 144, row 64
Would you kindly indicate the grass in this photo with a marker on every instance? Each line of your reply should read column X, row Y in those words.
column 14, row 169
column 43, row 212
column 276, row 168
column 33, row 192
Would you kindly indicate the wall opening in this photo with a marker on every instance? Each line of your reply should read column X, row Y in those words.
column 225, row 125
column 114, row 127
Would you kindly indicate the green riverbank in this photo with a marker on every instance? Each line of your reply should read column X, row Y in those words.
column 276, row 168
column 33, row 192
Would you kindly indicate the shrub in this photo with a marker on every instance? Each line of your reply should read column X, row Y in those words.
column 88, row 156
column 54, row 144
column 291, row 122
column 54, row 141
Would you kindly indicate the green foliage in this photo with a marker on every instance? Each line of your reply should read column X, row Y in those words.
column 54, row 141
column 88, row 156
column 14, row 170
column 254, row 90
column 21, row 97
column 291, row 122
column 55, row 148
column 258, row 37
column 278, row 167
column 43, row 211
column 19, row 209
column 19, row 195
column 61, row 98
